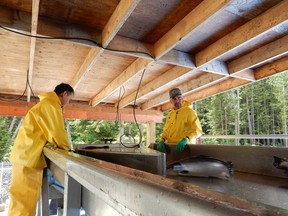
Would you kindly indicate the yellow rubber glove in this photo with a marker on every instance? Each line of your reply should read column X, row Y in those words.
column 181, row 145
column 161, row 146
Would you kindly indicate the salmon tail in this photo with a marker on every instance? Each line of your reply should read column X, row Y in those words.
column 230, row 167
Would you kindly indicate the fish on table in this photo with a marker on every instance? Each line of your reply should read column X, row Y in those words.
column 202, row 166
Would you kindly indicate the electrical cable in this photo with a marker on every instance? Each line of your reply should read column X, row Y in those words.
column 18, row 98
column 76, row 38
column 117, row 118
column 109, row 49
column 31, row 88
column 134, row 115
column 118, row 102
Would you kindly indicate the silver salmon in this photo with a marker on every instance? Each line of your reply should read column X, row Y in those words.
column 202, row 166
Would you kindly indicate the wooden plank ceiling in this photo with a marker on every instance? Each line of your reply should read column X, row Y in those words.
column 103, row 48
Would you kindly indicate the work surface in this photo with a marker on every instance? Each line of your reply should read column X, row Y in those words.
column 134, row 190
column 269, row 186
column 257, row 188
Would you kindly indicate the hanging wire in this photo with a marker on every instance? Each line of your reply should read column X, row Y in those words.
column 23, row 94
column 109, row 49
column 134, row 115
column 118, row 102
column 75, row 38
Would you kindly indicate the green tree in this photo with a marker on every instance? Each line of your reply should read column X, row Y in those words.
column 107, row 130
column 134, row 132
column 92, row 131
column 257, row 108
column 5, row 137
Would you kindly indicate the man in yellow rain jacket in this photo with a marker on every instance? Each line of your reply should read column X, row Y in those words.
column 182, row 125
column 43, row 123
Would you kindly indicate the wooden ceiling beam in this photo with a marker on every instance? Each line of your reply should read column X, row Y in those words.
column 182, row 29
column 19, row 108
column 259, row 56
column 126, row 46
column 262, row 72
column 227, row 84
column 109, row 113
column 133, row 70
column 137, row 49
column 216, row 66
column 34, row 24
column 273, row 68
column 50, row 28
column 244, row 34
column 88, row 63
column 163, row 80
column 120, row 15
column 247, row 74
column 178, row 58
column 190, row 86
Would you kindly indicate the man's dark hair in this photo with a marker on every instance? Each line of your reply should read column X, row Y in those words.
column 63, row 87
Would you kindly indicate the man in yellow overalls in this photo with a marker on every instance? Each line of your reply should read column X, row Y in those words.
column 43, row 123
column 182, row 125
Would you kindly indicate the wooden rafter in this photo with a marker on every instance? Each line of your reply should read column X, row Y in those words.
column 34, row 24
column 217, row 67
column 259, row 56
column 88, row 63
column 247, row 74
column 211, row 90
column 123, row 45
column 187, row 87
column 135, row 68
column 270, row 69
column 121, row 13
column 164, row 79
column 262, row 72
column 176, row 57
column 19, row 108
column 249, row 31
column 183, row 28
column 202, row 46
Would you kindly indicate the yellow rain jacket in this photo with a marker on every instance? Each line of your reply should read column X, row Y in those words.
column 182, row 123
column 43, row 123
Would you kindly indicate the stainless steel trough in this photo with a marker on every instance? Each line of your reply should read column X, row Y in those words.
column 255, row 177
column 105, row 188
column 145, row 159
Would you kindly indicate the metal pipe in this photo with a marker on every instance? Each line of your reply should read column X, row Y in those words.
column 252, row 136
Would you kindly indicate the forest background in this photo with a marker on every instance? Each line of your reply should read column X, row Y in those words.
column 253, row 109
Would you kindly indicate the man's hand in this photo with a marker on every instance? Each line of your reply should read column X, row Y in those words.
column 181, row 145
column 161, row 146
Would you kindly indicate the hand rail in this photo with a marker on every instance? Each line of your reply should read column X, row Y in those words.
column 247, row 136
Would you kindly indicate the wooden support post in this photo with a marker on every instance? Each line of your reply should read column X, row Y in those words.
column 151, row 133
